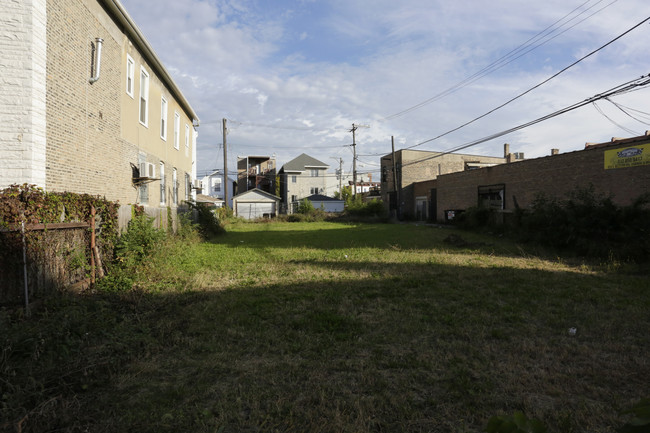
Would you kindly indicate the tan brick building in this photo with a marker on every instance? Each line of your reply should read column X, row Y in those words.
column 90, row 107
column 412, row 166
column 620, row 169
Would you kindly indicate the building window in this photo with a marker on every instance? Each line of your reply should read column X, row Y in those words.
column 187, row 135
column 188, row 186
column 294, row 179
column 162, row 183
column 144, row 97
column 175, row 187
column 130, row 68
column 163, row 118
column 492, row 196
column 313, row 191
column 294, row 198
column 177, row 129
column 314, row 173
column 217, row 185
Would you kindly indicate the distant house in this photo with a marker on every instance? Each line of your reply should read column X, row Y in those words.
column 255, row 204
column 88, row 107
column 299, row 178
column 213, row 186
column 328, row 204
column 256, row 172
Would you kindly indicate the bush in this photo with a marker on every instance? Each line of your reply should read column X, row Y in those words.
column 305, row 207
column 356, row 206
column 138, row 240
column 208, row 223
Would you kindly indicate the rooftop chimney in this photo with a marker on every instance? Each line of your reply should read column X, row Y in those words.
column 506, row 150
column 555, row 151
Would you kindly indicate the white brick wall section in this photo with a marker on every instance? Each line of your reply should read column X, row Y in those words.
column 23, row 43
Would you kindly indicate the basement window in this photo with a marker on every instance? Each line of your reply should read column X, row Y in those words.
column 492, row 196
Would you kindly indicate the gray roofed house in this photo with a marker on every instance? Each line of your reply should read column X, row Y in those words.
column 301, row 177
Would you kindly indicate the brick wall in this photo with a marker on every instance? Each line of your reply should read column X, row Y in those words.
column 417, row 166
column 85, row 151
column 22, row 92
column 93, row 130
column 554, row 176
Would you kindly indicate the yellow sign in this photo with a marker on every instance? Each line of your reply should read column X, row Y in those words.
column 632, row 156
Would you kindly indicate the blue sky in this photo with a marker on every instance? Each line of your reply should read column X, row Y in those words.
column 292, row 76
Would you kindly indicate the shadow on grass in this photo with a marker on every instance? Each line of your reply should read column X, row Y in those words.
column 394, row 347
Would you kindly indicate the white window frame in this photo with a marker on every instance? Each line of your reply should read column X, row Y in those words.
column 177, row 130
column 144, row 97
column 130, row 71
column 162, row 183
column 163, row 118
column 175, row 187
column 188, row 186
column 187, row 135
column 314, row 172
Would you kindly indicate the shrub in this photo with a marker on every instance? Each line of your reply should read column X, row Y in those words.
column 356, row 206
column 305, row 206
column 138, row 240
column 208, row 223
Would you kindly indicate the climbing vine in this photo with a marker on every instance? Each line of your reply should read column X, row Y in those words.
column 32, row 205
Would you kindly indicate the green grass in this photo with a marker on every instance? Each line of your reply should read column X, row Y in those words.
column 326, row 327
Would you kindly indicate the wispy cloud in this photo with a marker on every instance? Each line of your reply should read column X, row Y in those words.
column 327, row 64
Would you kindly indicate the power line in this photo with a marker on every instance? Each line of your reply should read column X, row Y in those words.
column 618, row 90
column 507, row 58
column 532, row 88
column 628, row 130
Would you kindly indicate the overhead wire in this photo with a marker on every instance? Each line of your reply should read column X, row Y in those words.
column 602, row 113
column 615, row 91
column 624, row 110
column 534, row 87
column 507, row 58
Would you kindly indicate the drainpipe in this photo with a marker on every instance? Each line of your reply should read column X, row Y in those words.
column 98, row 59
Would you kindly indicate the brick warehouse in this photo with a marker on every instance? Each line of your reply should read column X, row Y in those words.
column 620, row 169
column 412, row 166
column 88, row 107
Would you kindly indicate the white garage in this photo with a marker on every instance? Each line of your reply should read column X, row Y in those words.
column 255, row 204
column 328, row 204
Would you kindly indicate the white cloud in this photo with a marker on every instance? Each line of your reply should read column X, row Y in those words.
column 312, row 69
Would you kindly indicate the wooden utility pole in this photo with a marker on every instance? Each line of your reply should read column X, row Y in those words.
column 225, row 165
column 392, row 143
column 354, row 161
column 354, row 151
column 341, row 178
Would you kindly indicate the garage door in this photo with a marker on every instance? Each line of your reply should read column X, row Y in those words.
column 251, row 211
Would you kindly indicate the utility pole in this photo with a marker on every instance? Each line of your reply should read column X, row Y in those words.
column 392, row 143
column 225, row 165
column 341, row 178
column 354, row 160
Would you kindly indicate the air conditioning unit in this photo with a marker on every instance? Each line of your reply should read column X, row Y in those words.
column 147, row 170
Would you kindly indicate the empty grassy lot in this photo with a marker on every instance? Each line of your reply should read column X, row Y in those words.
column 327, row 327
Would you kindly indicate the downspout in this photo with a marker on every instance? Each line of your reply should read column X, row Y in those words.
column 97, row 60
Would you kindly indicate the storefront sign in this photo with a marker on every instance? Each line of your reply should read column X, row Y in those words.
column 632, row 156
